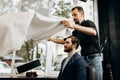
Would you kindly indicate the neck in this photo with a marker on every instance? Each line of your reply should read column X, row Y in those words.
column 81, row 20
column 71, row 52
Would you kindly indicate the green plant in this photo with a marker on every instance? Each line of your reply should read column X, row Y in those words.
column 26, row 50
column 62, row 9
column 102, row 46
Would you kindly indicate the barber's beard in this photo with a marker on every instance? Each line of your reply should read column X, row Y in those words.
column 68, row 49
column 76, row 22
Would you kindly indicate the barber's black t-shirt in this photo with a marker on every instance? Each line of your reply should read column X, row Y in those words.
column 89, row 44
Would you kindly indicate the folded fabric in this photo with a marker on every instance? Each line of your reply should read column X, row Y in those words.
column 15, row 28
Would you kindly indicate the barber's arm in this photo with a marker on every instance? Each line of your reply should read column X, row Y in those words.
column 86, row 30
column 56, row 40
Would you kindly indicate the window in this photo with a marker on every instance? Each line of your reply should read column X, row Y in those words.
column 51, row 54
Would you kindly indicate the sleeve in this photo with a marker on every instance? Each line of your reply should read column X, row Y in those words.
column 75, row 33
column 90, row 24
column 80, row 69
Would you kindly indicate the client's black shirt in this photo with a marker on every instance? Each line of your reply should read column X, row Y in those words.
column 89, row 44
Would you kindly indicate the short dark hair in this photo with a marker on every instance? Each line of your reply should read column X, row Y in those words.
column 74, row 40
column 79, row 8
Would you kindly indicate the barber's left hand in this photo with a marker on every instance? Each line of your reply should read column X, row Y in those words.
column 68, row 24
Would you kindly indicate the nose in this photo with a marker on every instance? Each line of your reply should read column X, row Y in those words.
column 73, row 17
column 65, row 44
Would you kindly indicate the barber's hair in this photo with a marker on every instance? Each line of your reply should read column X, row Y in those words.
column 74, row 40
column 79, row 8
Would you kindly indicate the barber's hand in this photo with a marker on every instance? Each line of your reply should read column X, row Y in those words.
column 68, row 24
column 49, row 39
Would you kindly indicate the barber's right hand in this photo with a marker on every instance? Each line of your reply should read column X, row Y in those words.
column 68, row 24
column 49, row 39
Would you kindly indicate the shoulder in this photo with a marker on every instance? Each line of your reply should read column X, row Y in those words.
column 88, row 22
column 79, row 60
column 77, row 56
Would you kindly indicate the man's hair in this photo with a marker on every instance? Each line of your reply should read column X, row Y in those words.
column 74, row 40
column 79, row 8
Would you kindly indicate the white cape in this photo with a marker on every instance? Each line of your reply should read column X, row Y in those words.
column 15, row 28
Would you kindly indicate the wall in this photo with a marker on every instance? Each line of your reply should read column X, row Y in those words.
column 109, row 23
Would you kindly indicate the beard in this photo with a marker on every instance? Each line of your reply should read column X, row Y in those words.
column 68, row 49
column 76, row 21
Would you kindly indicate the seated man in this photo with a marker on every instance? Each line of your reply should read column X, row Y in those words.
column 73, row 67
